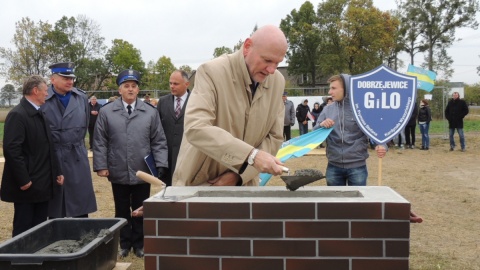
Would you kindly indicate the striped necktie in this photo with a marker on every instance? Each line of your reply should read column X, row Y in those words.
column 178, row 108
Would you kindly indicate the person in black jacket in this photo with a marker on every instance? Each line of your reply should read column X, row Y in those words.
column 424, row 118
column 31, row 167
column 455, row 111
column 410, row 128
column 302, row 117
column 94, row 108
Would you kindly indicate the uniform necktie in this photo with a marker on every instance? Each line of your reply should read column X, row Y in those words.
column 178, row 108
column 129, row 109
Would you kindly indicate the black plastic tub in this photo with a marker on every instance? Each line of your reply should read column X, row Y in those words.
column 21, row 252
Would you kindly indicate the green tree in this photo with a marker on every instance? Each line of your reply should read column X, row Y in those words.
column 78, row 40
column 436, row 22
column 186, row 68
column 123, row 55
column 220, row 51
column 30, row 55
column 8, row 94
column 223, row 50
column 163, row 70
column 303, row 35
column 472, row 93
column 94, row 73
column 368, row 36
column 332, row 57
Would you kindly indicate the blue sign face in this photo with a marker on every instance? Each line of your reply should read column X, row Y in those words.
column 382, row 101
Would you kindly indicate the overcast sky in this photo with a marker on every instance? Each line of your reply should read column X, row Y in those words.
column 188, row 31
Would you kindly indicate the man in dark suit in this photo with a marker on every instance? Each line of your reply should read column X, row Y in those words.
column 94, row 108
column 31, row 167
column 171, row 108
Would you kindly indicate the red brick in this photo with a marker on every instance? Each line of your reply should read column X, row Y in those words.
column 349, row 210
column 284, row 248
column 255, row 229
column 315, row 264
column 150, row 262
column 397, row 211
column 350, row 248
column 359, row 264
column 251, row 264
column 164, row 210
column 220, row 247
column 316, row 229
column 165, row 245
column 219, row 211
column 283, row 210
column 187, row 228
column 190, row 263
column 386, row 229
column 150, row 227
column 397, row 248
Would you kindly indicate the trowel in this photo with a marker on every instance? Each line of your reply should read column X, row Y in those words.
column 301, row 178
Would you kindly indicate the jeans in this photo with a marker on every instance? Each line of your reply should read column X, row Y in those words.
column 303, row 128
column 424, row 130
column 460, row 134
column 342, row 177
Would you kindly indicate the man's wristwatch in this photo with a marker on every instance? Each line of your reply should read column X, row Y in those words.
column 251, row 158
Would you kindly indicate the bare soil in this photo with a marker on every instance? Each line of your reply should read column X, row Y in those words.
column 442, row 186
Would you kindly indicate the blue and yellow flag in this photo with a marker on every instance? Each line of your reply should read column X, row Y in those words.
column 425, row 78
column 298, row 147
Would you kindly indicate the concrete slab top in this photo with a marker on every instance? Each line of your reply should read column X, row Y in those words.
column 279, row 194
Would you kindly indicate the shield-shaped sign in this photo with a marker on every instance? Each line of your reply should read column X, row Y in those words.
column 382, row 101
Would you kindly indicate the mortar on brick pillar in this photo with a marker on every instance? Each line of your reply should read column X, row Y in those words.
column 272, row 228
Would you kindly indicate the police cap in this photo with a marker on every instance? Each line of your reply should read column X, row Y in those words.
column 66, row 69
column 128, row 75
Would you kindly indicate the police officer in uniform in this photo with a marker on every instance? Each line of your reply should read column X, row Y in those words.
column 67, row 111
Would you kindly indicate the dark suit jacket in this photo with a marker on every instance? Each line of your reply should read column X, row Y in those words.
column 173, row 128
column 29, row 156
column 93, row 118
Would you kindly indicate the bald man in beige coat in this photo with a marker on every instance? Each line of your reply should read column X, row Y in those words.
column 234, row 118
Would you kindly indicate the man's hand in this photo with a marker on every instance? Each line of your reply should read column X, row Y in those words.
column 60, row 180
column 327, row 123
column 162, row 173
column 138, row 212
column 381, row 151
column 26, row 186
column 226, row 179
column 266, row 163
column 103, row 173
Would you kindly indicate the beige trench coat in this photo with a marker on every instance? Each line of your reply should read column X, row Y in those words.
column 223, row 124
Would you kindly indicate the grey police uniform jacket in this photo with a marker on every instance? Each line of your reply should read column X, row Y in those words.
column 121, row 141
column 69, row 127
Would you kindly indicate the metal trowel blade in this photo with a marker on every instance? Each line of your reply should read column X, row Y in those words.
column 295, row 182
